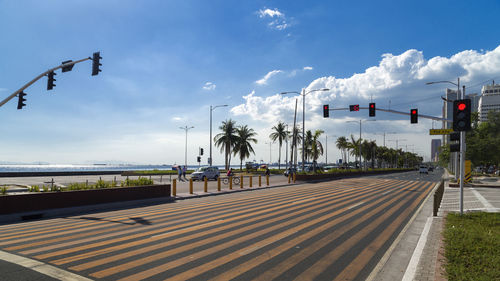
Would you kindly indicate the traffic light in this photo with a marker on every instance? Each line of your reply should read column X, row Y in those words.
column 454, row 136
column 201, row 151
column 371, row 109
column 326, row 111
column 455, row 147
column 51, row 80
column 68, row 67
column 95, row 63
column 461, row 115
column 198, row 159
column 414, row 116
column 21, row 101
column 354, row 107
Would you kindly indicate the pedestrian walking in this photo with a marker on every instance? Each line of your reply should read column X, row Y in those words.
column 184, row 172
column 179, row 172
column 267, row 171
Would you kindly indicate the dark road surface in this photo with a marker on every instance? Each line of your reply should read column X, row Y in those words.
column 335, row 230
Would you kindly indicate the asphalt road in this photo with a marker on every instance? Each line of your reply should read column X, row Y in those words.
column 330, row 230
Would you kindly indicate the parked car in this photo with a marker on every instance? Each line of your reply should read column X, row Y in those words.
column 206, row 172
column 431, row 169
column 423, row 169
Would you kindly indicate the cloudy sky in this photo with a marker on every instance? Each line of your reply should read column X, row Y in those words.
column 166, row 62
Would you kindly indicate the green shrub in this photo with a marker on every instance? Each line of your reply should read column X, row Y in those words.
column 3, row 190
column 138, row 182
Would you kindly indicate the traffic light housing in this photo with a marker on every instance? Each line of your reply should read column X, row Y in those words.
column 371, row 109
column 21, row 100
column 326, row 111
column 455, row 147
column 95, row 63
column 414, row 116
column 201, row 151
column 51, row 80
column 354, row 107
column 455, row 136
column 461, row 115
column 198, row 159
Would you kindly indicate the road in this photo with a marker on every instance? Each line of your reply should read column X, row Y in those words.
column 330, row 230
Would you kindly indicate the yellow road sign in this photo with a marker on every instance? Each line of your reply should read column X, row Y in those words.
column 440, row 131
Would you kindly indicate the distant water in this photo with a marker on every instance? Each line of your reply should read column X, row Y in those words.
column 88, row 167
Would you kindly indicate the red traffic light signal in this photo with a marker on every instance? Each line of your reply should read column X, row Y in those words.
column 461, row 115
column 414, row 116
column 326, row 111
column 354, row 107
column 371, row 110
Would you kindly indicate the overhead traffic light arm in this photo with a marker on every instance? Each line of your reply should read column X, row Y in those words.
column 400, row 112
column 65, row 65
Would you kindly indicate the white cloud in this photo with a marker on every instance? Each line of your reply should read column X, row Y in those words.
column 209, row 86
column 278, row 19
column 176, row 118
column 397, row 78
column 270, row 13
column 308, row 68
column 268, row 76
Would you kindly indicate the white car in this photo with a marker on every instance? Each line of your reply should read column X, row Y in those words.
column 423, row 169
column 206, row 172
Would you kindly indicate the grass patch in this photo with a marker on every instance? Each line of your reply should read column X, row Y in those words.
column 472, row 246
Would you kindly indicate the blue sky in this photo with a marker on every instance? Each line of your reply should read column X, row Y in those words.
column 166, row 62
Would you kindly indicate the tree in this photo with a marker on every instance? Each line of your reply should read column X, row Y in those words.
column 243, row 146
column 353, row 146
column 316, row 147
column 296, row 138
column 226, row 140
column 307, row 145
column 279, row 134
column 343, row 145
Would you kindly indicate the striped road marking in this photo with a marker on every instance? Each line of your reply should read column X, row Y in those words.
column 334, row 230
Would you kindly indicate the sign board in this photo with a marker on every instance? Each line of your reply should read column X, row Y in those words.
column 468, row 171
column 440, row 131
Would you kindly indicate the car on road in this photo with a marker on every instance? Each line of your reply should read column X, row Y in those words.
column 423, row 169
column 431, row 169
column 206, row 172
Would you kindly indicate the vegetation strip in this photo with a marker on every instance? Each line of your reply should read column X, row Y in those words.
column 472, row 246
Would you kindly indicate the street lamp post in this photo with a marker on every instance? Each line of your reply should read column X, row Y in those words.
column 462, row 144
column 186, row 128
column 211, row 109
column 303, row 93
column 269, row 152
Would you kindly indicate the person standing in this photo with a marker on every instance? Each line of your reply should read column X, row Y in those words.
column 184, row 172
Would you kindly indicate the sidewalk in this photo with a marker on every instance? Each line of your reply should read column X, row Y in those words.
column 486, row 199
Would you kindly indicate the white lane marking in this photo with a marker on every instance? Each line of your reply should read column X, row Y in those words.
column 483, row 200
column 417, row 253
column 389, row 191
column 355, row 205
column 187, row 228
column 41, row 267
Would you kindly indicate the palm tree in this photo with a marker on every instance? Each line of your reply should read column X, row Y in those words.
column 226, row 140
column 296, row 138
column 343, row 145
column 316, row 147
column 307, row 145
column 243, row 146
column 354, row 147
column 279, row 134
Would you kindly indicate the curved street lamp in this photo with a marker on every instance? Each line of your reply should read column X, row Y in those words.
column 303, row 93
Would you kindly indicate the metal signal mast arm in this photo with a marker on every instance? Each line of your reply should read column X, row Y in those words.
column 40, row 76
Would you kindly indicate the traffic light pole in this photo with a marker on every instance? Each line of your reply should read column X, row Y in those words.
column 462, row 163
column 38, row 78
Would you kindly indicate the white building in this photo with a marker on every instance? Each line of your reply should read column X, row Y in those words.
column 490, row 100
